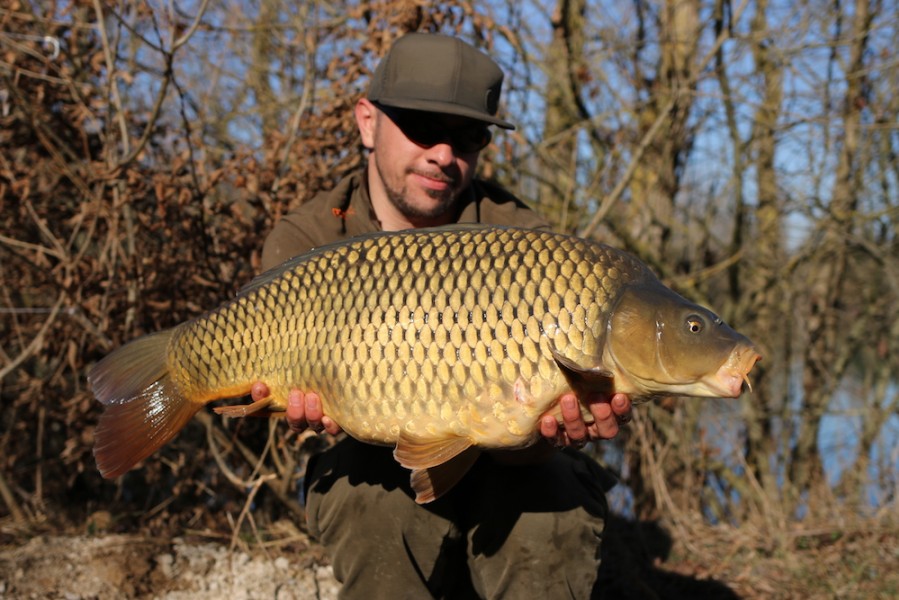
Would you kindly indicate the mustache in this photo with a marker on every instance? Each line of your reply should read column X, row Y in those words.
column 438, row 175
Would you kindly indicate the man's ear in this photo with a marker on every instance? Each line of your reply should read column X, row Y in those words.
column 366, row 117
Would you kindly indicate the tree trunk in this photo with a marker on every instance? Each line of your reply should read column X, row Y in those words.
column 827, row 280
column 765, row 283
column 564, row 61
column 657, row 180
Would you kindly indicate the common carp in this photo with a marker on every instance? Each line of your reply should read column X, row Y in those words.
column 440, row 342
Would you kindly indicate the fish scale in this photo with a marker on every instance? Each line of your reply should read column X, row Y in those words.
column 312, row 296
column 308, row 294
column 435, row 341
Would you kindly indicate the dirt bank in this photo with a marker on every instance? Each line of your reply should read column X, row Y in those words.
column 132, row 566
column 855, row 559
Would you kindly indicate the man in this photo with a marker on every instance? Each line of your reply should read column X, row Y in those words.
column 520, row 524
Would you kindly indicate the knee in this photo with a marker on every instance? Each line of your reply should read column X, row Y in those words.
column 342, row 494
column 545, row 554
column 542, row 531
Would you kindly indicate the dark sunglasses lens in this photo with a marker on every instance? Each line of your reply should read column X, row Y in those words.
column 471, row 140
column 425, row 130
column 420, row 132
column 466, row 140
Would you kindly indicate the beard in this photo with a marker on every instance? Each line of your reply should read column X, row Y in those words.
column 399, row 197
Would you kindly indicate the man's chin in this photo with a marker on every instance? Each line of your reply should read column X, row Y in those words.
column 430, row 206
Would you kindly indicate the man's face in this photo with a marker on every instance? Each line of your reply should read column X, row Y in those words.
column 424, row 160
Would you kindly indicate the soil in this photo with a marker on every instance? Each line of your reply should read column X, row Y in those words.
column 851, row 560
column 135, row 566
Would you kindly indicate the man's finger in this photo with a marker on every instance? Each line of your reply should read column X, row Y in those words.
column 330, row 426
column 601, row 410
column 621, row 406
column 606, row 427
column 549, row 427
column 314, row 412
column 259, row 391
column 572, row 419
column 296, row 411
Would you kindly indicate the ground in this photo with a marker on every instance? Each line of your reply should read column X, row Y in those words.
column 135, row 566
column 845, row 560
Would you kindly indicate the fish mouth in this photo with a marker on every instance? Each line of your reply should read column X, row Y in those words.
column 731, row 376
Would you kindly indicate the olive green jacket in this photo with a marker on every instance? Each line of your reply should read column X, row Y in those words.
column 346, row 211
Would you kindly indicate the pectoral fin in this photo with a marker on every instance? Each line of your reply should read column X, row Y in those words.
column 429, row 484
column 254, row 409
column 585, row 381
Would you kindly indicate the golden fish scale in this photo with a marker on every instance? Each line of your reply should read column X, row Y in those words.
column 440, row 332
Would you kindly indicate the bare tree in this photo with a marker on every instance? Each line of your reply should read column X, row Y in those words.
column 766, row 300
column 564, row 63
column 750, row 160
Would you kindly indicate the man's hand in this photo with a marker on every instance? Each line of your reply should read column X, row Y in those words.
column 608, row 415
column 304, row 411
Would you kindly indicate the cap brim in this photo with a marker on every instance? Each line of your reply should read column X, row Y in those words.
column 446, row 108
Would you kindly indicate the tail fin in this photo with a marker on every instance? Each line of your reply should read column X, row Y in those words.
column 143, row 408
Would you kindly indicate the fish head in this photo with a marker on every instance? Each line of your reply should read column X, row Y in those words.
column 659, row 343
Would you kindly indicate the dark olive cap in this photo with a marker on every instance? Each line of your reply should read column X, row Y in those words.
column 441, row 74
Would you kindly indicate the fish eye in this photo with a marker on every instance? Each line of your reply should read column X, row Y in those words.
column 695, row 324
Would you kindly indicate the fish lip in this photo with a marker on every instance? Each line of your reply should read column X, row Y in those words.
column 731, row 376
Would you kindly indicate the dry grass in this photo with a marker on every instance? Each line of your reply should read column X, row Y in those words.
column 856, row 558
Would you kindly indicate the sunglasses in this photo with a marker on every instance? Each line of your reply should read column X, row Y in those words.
column 428, row 129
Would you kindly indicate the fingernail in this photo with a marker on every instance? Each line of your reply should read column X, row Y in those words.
column 568, row 403
column 293, row 400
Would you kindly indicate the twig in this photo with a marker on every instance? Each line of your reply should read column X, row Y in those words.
column 10, row 500
column 308, row 86
column 248, row 455
column 42, row 226
column 663, row 497
column 150, row 126
column 50, row 141
column 254, row 484
column 39, row 463
column 113, row 85
column 246, row 508
column 14, row 243
column 775, row 518
column 211, row 433
column 36, row 343
column 190, row 30
column 625, row 180
column 159, row 507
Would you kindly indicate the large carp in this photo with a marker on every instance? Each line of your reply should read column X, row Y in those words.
column 438, row 342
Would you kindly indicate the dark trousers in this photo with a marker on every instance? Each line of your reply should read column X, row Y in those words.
column 505, row 531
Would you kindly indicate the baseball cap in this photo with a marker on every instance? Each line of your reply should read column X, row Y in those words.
column 442, row 74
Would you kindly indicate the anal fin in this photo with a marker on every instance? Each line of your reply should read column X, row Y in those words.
column 431, row 483
column 422, row 453
column 437, row 464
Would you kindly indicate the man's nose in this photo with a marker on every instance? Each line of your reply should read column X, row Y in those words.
column 442, row 153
